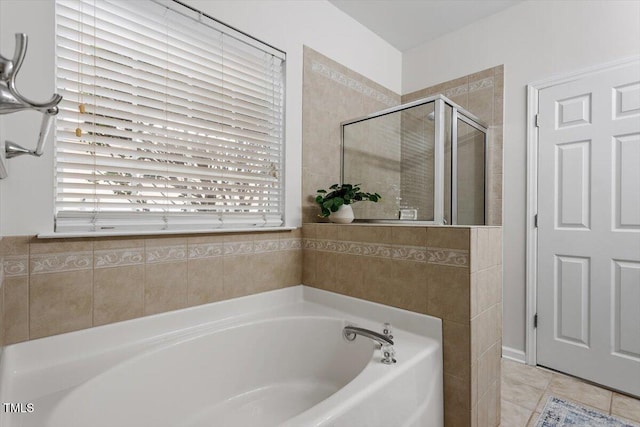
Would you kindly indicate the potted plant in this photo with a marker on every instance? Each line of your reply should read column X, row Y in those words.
column 336, row 203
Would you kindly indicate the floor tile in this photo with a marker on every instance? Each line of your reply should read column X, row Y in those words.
column 513, row 415
column 520, row 393
column 533, row 419
column 535, row 377
column 526, row 389
column 624, row 406
column 563, row 386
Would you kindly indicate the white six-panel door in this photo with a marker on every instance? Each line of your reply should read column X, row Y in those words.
column 589, row 228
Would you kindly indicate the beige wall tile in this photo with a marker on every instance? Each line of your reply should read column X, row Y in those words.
column 16, row 309
column 50, row 246
column 205, row 280
column 290, row 268
column 481, row 104
column 203, row 239
column 15, row 245
column 448, row 237
column 498, row 93
column 155, row 241
column 309, row 267
column 402, row 284
column 293, row 234
column 449, row 292
column 485, row 330
column 489, row 369
column 266, row 270
column 457, row 408
column 487, row 251
column 348, row 275
column 309, row 231
column 326, row 271
column 414, row 96
column 363, row 233
column 412, row 236
column 330, row 231
column 238, row 276
column 488, row 408
column 118, row 294
column 165, row 287
column 483, row 74
column 60, row 302
column 486, row 288
column 456, row 348
column 117, row 243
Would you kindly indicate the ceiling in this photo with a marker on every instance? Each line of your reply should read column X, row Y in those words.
column 409, row 23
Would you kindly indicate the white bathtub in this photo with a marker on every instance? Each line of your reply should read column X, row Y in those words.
column 273, row 359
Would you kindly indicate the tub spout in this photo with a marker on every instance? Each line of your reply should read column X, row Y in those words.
column 385, row 341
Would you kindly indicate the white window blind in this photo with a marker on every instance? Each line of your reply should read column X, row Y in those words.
column 170, row 120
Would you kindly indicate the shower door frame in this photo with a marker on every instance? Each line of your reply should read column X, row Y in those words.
column 457, row 113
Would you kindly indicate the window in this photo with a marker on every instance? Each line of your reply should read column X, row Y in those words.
column 170, row 120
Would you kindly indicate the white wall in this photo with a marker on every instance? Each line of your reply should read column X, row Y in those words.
column 534, row 40
column 27, row 195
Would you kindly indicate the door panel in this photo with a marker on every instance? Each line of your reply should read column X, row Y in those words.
column 627, row 180
column 573, row 184
column 572, row 296
column 589, row 228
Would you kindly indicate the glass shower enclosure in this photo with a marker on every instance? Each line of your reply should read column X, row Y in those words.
column 426, row 158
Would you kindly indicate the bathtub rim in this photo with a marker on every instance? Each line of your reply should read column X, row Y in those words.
column 26, row 356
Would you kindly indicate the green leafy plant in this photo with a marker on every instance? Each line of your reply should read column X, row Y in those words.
column 345, row 194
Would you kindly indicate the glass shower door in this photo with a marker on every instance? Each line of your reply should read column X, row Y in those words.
column 468, row 196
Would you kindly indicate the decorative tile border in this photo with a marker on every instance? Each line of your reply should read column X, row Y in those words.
column 290, row 244
column 443, row 256
column 238, row 248
column 459, row 90
column 165, row 254
column 468, row 88
column 60, row 262
column 15, row 266
column 118, row 257
column 206, row 250
column 261, row 246
column 453, row 257
column 340, row 78
column 481, row 84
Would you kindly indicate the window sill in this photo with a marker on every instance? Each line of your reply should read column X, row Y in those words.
column 82, row 234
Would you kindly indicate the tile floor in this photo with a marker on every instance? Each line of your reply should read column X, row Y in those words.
column 525, row 390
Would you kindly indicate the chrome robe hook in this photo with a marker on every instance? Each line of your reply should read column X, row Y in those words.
column 12, row 101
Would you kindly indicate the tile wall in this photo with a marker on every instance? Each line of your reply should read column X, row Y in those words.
column 56, row 286
column 332, row 93
column 482, row 94
column 453, row 273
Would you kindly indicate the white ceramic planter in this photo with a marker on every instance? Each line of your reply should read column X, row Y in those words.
column 344, row 215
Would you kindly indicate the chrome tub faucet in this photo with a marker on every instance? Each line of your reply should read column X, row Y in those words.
column 385, row 340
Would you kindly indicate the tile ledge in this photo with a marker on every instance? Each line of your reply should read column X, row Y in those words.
column 159, row 233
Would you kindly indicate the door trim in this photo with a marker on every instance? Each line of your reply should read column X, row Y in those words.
column 531, row 237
